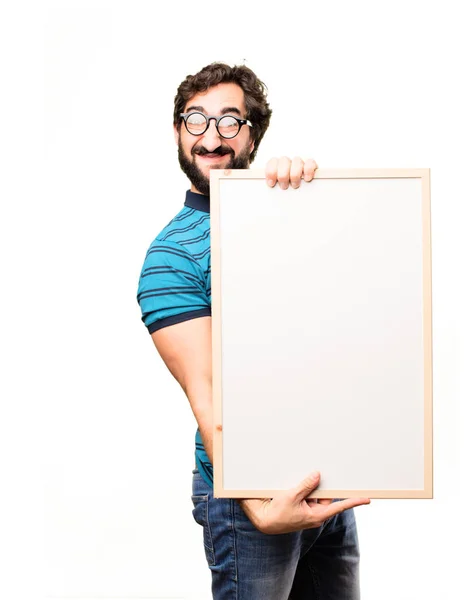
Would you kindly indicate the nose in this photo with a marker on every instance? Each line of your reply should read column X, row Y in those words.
column 211, row 139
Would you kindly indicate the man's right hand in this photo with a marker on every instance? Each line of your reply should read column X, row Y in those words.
column 292, row 511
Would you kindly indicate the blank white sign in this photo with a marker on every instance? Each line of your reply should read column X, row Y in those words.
column 321, row 316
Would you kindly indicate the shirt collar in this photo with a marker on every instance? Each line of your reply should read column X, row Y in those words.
column 197, row 201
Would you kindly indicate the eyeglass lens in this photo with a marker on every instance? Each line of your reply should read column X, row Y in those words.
column 227, row 126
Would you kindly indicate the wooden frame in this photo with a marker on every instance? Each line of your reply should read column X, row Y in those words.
column 397, row 435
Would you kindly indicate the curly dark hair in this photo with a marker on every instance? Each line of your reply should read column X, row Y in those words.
column 257, row 107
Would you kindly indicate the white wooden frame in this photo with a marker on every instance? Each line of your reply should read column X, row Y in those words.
column 321, row 333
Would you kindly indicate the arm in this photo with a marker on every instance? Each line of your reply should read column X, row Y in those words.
column 186, row 349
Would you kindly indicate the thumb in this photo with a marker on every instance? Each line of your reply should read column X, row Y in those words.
column 306, row 486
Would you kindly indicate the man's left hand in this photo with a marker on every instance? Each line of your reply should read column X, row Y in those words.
column 286, row 171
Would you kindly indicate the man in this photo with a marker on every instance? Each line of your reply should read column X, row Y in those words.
column 280, row 548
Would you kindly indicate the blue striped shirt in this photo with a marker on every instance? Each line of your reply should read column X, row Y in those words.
column 175, row 281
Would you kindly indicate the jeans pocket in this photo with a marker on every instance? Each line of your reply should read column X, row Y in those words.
column 201, row 516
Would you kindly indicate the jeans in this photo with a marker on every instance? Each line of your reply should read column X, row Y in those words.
column 314, row 564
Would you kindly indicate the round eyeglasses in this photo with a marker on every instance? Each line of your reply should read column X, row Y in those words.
column 228, row 126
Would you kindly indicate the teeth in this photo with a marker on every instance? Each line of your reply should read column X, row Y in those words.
column 211, row 155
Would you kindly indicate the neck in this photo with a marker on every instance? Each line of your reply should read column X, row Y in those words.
column 195, row 190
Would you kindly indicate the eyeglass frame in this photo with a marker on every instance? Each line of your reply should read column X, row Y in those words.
column 217, row 120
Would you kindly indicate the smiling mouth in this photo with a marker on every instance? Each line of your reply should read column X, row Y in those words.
column 213, row 155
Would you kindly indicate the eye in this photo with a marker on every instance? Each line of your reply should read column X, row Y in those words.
column 195, row 119
column 228, row 124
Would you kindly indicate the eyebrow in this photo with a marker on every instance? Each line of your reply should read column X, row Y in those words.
column 224, row 111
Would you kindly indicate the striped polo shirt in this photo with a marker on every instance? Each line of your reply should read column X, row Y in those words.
column 175, row 281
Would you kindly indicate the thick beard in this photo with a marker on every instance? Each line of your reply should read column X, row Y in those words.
column 195, row 175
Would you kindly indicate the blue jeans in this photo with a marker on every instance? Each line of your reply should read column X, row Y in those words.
column 314, row 564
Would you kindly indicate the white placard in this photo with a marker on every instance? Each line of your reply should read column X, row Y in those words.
column 321, row 315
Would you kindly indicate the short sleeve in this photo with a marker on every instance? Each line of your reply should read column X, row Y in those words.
column 172, row 287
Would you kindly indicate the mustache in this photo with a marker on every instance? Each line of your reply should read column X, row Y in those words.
column 220, row 151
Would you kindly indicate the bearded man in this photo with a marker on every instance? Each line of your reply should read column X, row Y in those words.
column 288, row 546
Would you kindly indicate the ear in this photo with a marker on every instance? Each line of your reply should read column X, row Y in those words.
column 251, row 146
column 176, row 135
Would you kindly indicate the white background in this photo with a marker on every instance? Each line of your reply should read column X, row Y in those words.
column 96, row 438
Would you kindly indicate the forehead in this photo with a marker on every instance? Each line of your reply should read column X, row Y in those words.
column 218, row 97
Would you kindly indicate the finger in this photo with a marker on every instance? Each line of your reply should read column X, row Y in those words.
column 306, row 486
column 336, row 508
column 271, row 172
column 297, row 168
column 310, row 166
column 284, row 169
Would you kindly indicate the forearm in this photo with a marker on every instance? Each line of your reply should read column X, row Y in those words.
column 200, row 399
column 186, row 348
column 199, row 395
